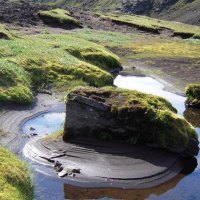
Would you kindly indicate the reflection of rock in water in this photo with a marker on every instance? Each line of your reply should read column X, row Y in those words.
column 190, row 165
column 193, row 116
column 72, row 192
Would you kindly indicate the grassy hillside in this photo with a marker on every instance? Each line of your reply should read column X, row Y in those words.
column 178, row 10
column 43, row 61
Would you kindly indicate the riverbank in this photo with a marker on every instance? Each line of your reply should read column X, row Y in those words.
column 13, row 116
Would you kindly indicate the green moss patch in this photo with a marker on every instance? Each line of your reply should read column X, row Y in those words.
column 15, row 181
column 14, row 83
column 59, row 18
column 193, row 94
column 51, row 61
column 147, row 119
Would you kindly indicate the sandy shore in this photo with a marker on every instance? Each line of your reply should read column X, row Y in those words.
column 13, row 116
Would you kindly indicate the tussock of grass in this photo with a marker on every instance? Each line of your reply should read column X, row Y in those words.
column 15, row 181
column 154, row 119
column 58, row 17
column 46, row 61
column 14, row 83
column 193, row 93
column 5, row 33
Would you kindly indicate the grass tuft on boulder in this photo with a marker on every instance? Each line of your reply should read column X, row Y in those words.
column 193, row 95
column 128, row 116
column 15, row 181
column 59, row 18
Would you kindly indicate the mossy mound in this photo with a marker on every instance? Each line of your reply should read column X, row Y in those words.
column 5, row 33
column 59, row 18
column 100, row 57
column 14, row 83
column 193, row 95
column 153, row 25
column 129, row 116
column 15, row 181
column 44, row 61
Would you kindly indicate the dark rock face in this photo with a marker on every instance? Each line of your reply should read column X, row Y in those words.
column 23, row 13
column 107, row 116
column 138, row 7
column 145, row 6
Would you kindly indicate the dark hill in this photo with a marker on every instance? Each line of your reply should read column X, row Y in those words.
column 177, row 10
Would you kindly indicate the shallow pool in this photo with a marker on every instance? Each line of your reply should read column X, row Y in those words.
column 44, row 124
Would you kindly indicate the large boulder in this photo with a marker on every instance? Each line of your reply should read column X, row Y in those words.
column 128, row 116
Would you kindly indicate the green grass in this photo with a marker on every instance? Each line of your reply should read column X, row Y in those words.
column 15, row 181
column 154, row 119
column 156, row 47
column 105, row 38
column 155, row 25
column 58, row 17
column 47, row 60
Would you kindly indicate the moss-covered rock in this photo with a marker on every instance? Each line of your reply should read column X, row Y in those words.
column 193, row 95
column 59, row 18
column 129, row 116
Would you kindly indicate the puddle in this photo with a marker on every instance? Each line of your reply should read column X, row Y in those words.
column 44, row 124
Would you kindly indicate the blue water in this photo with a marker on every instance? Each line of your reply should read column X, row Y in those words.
column 45, row 124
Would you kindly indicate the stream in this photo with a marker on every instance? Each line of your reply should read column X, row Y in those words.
column 48, row 186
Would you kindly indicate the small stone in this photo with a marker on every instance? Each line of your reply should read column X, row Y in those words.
column 76, row 171
column 63, row 173
column 34, row 134
column 57, row 164
column 32, row 129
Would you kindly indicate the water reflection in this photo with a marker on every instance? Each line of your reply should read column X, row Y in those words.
column 193, row 116
column 150, row 86
column 77, row 193
column 44, row 124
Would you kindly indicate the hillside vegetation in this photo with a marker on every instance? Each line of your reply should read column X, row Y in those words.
column 45, row 60
column 179, row 10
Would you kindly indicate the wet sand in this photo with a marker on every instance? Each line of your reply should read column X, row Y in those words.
column 13, row 117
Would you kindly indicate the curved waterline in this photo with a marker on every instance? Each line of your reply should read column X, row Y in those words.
column 182, row 187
